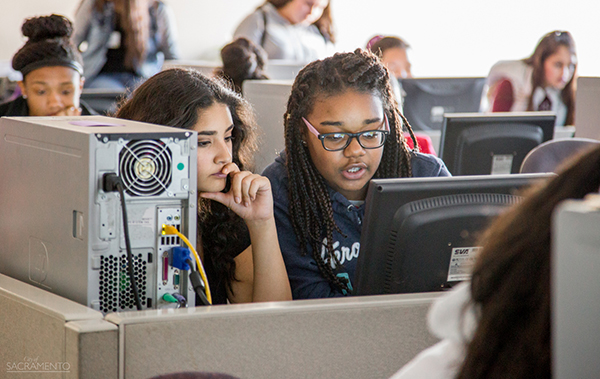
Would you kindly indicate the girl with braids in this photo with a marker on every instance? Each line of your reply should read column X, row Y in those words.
column 545, row 81
column 498, row 325
column 294, row 30
column 342, row 128
column 52, row 71
column 124, row 41
column 237, row 239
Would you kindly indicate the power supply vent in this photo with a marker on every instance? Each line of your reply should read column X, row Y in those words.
column 145, row 167
column 115, row 289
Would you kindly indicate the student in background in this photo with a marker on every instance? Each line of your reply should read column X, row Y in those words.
column 293, row 30
column 52, row 71
column 124, row 42
column 543, row 82
column 498, row 325
column 342, row 128
column 237, row 239
column 242, row 60
column 393, row 54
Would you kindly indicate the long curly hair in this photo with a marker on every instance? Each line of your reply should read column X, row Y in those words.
column 176, row 97
column 311, row 210
column 547, row 46
column 511, row 280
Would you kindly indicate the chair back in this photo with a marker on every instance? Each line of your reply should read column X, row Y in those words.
column 548, row 156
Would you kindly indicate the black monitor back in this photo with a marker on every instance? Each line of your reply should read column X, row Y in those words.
column 492, row 143
column 421, row 234
column 427, row 99
column 102, row 101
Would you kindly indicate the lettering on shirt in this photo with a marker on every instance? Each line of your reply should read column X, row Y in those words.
column 343, row 254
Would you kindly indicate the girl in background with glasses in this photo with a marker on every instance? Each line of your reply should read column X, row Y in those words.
column 543, row 82
column 342, row 128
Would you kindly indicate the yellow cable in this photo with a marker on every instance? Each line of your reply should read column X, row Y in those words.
column 170, row 229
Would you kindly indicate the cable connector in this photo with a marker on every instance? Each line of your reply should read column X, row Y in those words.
column 179, row 256
column 110, row 182
column 169, row 229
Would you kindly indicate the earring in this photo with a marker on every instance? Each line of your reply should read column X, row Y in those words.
column 303, row 142
column 24, row 96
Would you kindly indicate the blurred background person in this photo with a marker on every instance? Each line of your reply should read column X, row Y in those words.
column 294, row 30
column 52, row 71
column 242, row 60
column 124, row 42
column 543, row 82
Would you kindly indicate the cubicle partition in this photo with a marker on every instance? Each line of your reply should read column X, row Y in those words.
column 45, row 335
column 269, row 99
column 359, row 337
column 575, row 290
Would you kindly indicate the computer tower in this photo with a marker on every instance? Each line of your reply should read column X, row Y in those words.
column 61, row 231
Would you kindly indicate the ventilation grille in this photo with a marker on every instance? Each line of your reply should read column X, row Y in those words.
column 115, row 288
column 145, row 167
column 463, row 199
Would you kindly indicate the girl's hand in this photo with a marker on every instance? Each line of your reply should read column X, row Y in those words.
column 69, row 111
column 249, row 197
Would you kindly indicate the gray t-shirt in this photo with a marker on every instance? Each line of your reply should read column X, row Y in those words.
column 283, row 40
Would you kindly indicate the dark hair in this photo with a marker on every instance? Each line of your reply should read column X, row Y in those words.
column 311, row 212
column 176, row 97
column 547, row 46
column 242, row 60
column 134, row 19
column 324, row 23
column 48, row 45
column 511, row 280
column 382, row 44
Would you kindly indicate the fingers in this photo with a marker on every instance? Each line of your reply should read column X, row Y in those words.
column 245, row 186
column 69, row 111
column 230, row 168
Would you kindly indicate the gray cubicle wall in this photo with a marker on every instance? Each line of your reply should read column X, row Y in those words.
column 575, row 290
column 587, row 111
column 45, row 335
column 360, row 337
column 269, row 99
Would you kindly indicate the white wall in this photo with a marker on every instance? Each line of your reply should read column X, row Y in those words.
column 448, row 38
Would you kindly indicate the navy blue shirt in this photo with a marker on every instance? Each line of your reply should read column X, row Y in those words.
column 305, row 278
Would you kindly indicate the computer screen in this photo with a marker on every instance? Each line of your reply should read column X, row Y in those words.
column 421, row 234
column 427, row 99
column 492, row 143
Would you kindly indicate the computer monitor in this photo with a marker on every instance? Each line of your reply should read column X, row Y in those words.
column 103, row 101
column 492, row 143
column 427, row 99
column 421, row 234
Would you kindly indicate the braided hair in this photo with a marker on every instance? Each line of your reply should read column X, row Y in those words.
column 310, row 203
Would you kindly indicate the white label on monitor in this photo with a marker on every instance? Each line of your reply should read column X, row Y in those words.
column 501, row 164
column 462, row 261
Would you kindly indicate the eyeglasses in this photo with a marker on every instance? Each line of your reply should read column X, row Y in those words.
column 369, row 139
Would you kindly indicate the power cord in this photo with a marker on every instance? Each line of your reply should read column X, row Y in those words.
column 110, row 183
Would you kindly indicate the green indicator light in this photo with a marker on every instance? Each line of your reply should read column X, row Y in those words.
column 180, row 166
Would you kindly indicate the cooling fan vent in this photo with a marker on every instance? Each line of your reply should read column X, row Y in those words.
column 145, row 167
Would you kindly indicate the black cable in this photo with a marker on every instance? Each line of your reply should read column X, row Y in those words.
column 110, row 182
column 197, row 283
